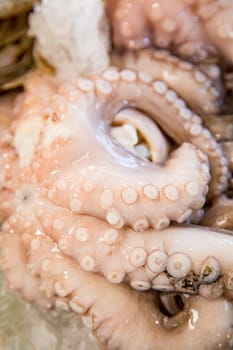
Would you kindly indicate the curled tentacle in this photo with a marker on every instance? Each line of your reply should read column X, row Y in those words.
column 165, row 108
column 18, row 277
column 201, row 92
column 56, row 141
column 112, row 199
column 217, row 25
column 65, row 285
column 173, row 260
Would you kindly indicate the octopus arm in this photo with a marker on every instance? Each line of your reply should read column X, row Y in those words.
column 14, row 261
column 196, row 30
column 133, row 89
column 201, row 324
column 129, row 88
column 173, row 259
column 85, row 112
column 202, row 93
column 219, row 27
column 99, row 179
column 70, row 171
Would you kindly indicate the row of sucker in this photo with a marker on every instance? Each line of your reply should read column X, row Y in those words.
column 110, row 85
column 202, row 92
column 142, row 258
column 195, row 132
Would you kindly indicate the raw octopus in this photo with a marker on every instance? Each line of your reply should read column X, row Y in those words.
column 103, row 177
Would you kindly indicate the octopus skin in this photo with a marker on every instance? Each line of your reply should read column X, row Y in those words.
column 53, row 142
column 62, row 283
column 194, row 29
column 60, row 202
column 66, row 186
column 202, row 91
column 168, row 261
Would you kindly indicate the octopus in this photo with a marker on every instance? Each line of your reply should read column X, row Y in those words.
column 114, row 187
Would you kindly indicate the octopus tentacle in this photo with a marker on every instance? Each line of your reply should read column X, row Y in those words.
column 14, row 262
column 166, row 21
column 113, row 200
column 220, row 215
column 185, row 125
column 169, row 260
column 89, row 296
column 164, row 261
column 196, row 30
column 201, row 93
column 217, row 25
column 127, row 201
column 7, row 184
column 95, row 314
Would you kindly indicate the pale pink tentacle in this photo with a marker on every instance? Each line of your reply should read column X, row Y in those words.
column 195, row 29
column 65, row 140
column 139, row 24
column 15, row 264
column 201, row 93
column 71, row 180
column 172, row 260
column 218, row 25
column 164, row 107
column 140, row 258
column 109, row 326
column 64, row 284
column 135, row 199
column 8, row 169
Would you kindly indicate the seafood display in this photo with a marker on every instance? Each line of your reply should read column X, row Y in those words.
column 116, row 179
